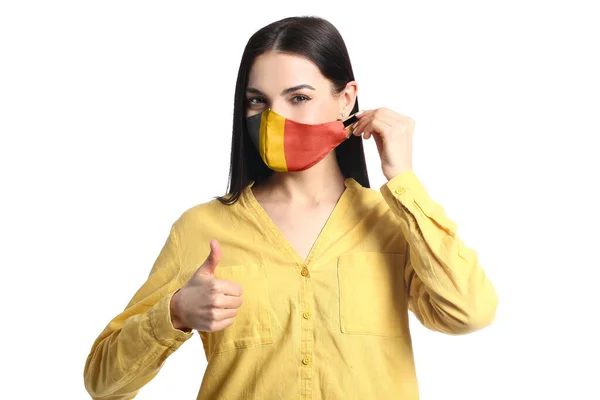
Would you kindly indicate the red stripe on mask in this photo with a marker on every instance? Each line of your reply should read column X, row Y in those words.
column 310, row 142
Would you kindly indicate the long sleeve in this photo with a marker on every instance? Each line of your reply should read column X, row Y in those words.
column 133, row 347
column 448, row 290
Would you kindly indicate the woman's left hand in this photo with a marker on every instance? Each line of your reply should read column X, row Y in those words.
column 393, row 135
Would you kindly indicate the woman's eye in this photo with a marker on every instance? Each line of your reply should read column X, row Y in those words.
column 300, row 99
column 255, row 100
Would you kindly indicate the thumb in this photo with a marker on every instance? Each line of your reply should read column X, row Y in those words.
column 209, row 265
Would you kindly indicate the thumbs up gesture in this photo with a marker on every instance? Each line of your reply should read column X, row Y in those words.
column 206, row 303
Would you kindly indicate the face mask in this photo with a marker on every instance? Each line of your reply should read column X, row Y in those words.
column 286, row 145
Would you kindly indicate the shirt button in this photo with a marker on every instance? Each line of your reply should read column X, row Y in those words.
column 304, row 272
column 306, row 315
column 306, row 360
column 400, row 190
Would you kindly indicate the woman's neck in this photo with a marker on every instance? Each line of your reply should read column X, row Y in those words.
column 323, row 182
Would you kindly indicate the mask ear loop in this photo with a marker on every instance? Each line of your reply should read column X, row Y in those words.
column 347, row 122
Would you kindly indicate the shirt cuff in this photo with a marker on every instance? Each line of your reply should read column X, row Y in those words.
column 162, row 326
column 407, row 189
column 405, row 186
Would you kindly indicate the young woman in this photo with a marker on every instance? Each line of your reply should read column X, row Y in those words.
column 304, row 290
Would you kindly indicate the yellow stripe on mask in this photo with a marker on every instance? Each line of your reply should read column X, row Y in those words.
column 274, row 124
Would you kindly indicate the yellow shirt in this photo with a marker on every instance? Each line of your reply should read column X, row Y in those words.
column 333, row 326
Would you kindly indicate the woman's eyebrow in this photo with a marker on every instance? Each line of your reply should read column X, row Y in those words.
column 284, row 92
column 293, row 89
column 255, row 91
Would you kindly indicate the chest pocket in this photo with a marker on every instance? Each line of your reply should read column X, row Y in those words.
column 252, row 324
column 371, row 294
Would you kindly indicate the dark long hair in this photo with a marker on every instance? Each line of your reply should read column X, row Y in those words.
column 319, row 41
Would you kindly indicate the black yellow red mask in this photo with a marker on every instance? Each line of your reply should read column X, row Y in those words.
column 286, row 145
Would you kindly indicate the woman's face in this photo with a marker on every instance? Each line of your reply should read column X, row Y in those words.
column 295, row 88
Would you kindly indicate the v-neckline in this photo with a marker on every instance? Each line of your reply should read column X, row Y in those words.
column 279, row 238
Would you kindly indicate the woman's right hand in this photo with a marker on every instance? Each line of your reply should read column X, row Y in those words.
column 206, row 303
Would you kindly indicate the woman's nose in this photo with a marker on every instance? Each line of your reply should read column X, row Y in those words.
column 280, row 108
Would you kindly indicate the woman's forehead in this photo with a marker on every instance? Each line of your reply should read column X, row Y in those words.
column 274, row 72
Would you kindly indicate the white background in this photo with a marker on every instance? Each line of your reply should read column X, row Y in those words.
column 115, row 117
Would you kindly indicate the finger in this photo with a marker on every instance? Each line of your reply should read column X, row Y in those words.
column 378, row 127
column 224, row 313
column 361, row 113
column 228, row 288
column 390, row 115
column 220, row 325
column 362, row 123
column 224, row 301
column 366, row 125
column 387, row 117
column 381, row 115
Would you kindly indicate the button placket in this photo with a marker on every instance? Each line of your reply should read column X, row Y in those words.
column 307, row 329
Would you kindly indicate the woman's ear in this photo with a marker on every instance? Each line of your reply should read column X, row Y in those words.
column 348, row 97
